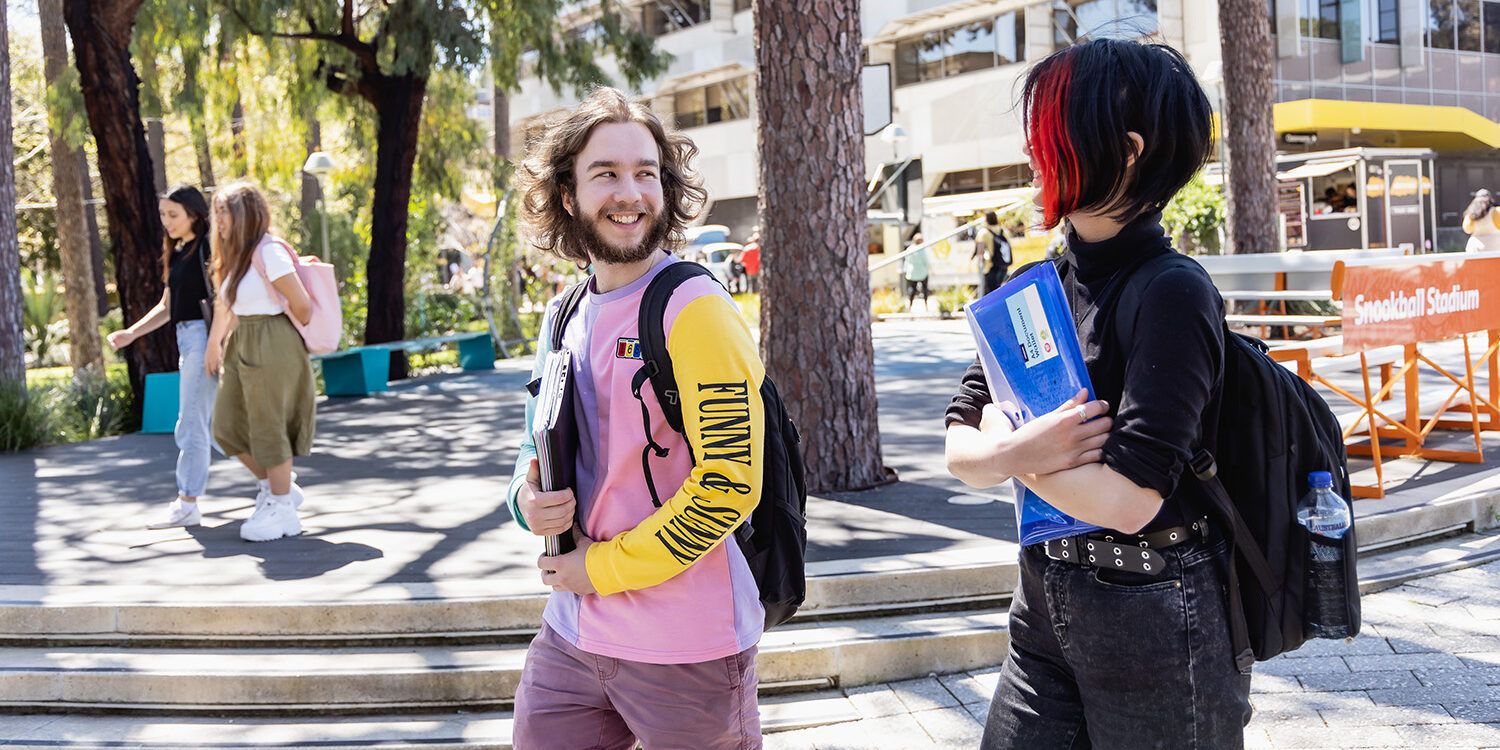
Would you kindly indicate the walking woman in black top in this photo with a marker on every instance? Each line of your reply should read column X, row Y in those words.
column 184, row 267
column 1120, row 638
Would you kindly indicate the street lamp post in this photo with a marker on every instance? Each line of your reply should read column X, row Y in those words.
column 319, row 164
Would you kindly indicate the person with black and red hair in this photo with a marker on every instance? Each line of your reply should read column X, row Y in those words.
column 1118, row 638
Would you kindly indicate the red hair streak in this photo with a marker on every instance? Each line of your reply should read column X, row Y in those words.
column 1051, row 144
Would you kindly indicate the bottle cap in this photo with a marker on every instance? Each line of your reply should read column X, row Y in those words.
column 1320, row 479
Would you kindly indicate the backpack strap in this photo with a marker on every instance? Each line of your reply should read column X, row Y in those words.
column 656, row 362
column 570, row 301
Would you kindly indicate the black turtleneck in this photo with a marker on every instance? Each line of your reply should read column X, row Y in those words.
column 1159, row 376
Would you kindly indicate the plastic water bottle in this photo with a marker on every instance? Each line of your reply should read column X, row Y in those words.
column 1326, row 517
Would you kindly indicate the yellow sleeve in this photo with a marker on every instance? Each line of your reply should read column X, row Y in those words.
column 719, row 373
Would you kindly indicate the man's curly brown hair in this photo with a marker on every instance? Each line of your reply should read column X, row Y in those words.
column 548, row 173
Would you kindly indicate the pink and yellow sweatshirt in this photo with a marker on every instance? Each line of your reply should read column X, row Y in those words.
column 670, row 589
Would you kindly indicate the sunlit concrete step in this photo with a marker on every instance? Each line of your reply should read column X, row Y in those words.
column 351, row 681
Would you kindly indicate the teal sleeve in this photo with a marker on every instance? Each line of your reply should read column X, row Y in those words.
column 528, row 443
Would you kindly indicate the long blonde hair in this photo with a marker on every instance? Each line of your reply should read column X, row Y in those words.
column 250, row 219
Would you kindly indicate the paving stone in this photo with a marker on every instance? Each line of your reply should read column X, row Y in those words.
column 872, row 734
column 1358, row 681
column 1401, row 662
column 1484, row 611
column 988, row 679
column 1470, row 676
column 876, row 701
column 1472, row 735
column 797, row 740
column 1364, row 645
column 923, row 694
column 1292, row 737
column 1468, row 644
column 980, row 711
column 1311, row 702
column 1427, row 596
column 966, row 688
column 1387, row 716
column 1482, row 712
column 1313, row 665
column 951, row 727
column 1271, row 683
column 1485, row 660
column 1419, row 696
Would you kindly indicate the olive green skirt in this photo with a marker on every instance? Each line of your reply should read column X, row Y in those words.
column 266, row 404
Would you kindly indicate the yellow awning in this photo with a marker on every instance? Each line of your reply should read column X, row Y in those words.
column 1316, row 169
column 1403, row 125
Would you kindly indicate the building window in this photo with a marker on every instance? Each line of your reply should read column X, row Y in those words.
column 1466, row 21
column 660, row 17
column 1320, row 19
column 992, row 178
column 1385, row 16
column 716, row 102
column 1072, row 19
column 1440, row 30
column 978, row 45
column 1492, row 27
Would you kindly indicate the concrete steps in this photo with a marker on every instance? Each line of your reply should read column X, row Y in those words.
column 379, row 680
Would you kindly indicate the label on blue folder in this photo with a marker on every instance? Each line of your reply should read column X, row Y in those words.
column 1032, row 360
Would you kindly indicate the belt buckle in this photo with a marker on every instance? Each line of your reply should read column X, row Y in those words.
column 1065, row 549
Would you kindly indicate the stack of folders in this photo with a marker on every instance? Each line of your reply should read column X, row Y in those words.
column 556, row 434
column 1033, row 362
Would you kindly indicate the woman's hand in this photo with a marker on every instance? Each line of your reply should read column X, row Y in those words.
column 213, row 358
column 121, row 339
column 1070, row 436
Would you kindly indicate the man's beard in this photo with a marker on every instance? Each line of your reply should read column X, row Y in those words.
column 602, row 251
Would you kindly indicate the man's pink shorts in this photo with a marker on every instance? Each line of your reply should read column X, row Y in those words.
column 569, row 699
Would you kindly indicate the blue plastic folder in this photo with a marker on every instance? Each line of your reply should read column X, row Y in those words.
column 1031, row 358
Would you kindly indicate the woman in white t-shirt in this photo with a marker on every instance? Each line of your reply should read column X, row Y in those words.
column 1482, row 222
column 264, row 415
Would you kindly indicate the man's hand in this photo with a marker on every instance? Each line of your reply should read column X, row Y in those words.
column 568, row 572
column 545, row 513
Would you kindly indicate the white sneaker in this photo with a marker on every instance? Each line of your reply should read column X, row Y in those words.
column 265, row 489
column 274, row 518
column 180, row 513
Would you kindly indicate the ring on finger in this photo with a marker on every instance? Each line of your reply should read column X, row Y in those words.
column 1083, row 414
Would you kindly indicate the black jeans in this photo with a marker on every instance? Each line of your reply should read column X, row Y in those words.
column 1115, row 659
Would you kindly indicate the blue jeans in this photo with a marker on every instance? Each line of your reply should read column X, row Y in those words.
column 195, row 407
column 1116, row 659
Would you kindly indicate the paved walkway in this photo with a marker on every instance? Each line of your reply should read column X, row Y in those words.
column 407, row 488
column 1424, row 672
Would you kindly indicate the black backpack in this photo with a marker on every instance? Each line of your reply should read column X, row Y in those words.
column 774, row 537
column 1272, row 430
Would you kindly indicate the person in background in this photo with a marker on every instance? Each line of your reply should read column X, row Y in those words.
column 1351, row 199
column 993, row 248
column 185, row 256
column 265, row 412
column 1482, row 222
column 751, row 259
column 915, row 269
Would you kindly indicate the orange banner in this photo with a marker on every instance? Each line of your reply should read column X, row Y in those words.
column 1421, row 299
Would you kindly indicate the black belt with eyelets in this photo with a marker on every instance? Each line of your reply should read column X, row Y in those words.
column 1136, row 553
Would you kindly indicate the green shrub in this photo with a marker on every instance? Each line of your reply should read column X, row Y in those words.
column 953, row 299
column 1194, row 216
column 885, row 301
column 92, row 406
column 25, row 418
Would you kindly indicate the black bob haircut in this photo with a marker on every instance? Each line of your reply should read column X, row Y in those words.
column 1079, row 105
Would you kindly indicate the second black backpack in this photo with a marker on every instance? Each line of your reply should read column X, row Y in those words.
column 774, row 538
column 1273, row 430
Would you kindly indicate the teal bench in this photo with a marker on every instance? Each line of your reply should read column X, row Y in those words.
column 362, row 370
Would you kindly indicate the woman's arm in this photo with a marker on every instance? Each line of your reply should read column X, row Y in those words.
column 224, row 324
column 154, row 318
column 298, row 304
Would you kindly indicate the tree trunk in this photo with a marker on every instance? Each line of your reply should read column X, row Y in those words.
column 96, row 247
column 151, row 109
column 101, row 48
column 85, row 349
column 399, row 114
column 502, row 123
column 194, row 111
column 1246, row 126
column 12, row 347
column 812, row 219
column 310, row 187
column 239, row 164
